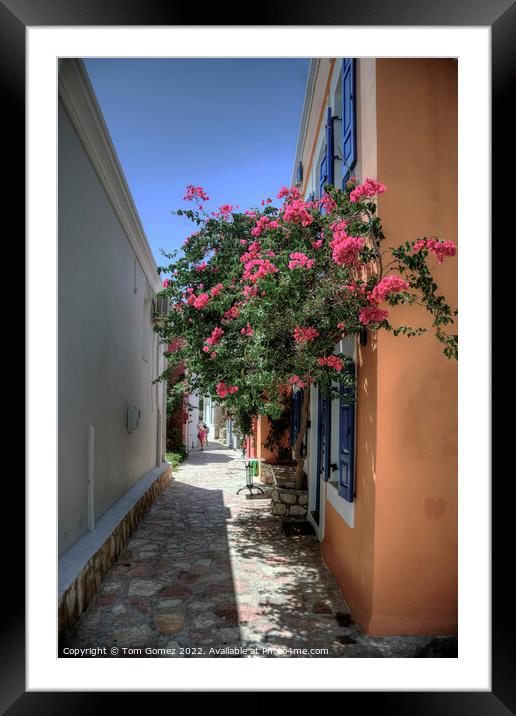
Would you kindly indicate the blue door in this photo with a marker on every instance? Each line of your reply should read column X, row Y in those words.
column 347, row 442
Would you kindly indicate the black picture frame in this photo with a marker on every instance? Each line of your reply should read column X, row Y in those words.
column 15, row 16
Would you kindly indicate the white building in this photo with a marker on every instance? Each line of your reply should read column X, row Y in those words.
column 111, row 415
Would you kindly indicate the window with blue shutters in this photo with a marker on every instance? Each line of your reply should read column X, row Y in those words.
column 349, row 131
column 347, row 441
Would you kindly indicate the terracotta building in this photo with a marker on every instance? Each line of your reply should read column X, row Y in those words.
column 383, row 475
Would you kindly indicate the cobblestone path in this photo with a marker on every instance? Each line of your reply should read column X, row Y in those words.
column 209, row 571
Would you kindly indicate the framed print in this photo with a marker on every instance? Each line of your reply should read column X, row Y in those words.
column 251, row 437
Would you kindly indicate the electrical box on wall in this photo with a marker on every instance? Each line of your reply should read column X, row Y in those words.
column 133, row 418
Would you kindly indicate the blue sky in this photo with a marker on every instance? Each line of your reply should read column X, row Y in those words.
column 230, row 125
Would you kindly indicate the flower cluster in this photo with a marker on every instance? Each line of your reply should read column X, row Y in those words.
column 195, row 192
column 296, row 213
column 224, row 211
column 327, row 203
column 346, row 249
column 296, row 380
column 247, row 331
column 389, row 284
column 215, row 337
column 224, row 390
column 372, row 314
column 439, row 248
column 289, row 194
column 262, row 266
column 217, row 289
column 332, row 361
column 261, row 225
column 232, row 313
column 199, row 301
column 305, row 334
column 300, row 260
column 366, row 190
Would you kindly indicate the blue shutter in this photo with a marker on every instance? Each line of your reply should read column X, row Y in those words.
column 299, row 176
column 347, row 443
column 349, row 131
column 329, row 148
column 324, row 436
column 323, row 175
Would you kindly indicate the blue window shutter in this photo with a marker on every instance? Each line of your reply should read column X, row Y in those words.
column 323, row 175
column 329, row 148
column 347, row 443
column 299, row 175
column 349, row 131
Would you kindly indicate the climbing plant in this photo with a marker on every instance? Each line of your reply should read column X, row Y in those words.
column 261, row 297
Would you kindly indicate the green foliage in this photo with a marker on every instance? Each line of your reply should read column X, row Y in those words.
column 175, row 458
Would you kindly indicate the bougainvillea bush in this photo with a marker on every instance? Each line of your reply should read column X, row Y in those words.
column 261, row 297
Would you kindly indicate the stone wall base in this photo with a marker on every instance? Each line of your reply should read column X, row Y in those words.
column 286, row 501
column 76, row 599
column 289, row 503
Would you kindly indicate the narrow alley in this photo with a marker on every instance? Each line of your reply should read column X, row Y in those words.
column 209, row 573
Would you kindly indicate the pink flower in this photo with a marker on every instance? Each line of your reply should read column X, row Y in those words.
column 346, row 250
column 388, row 284
column 213, row 355
column 305, row 334
column 223, row 390
column 201, row 267
column 261, row 224
column 215, row 337
column 289, row 194
column 317, row 244
column 296, row 213
column 439, row 248
column 327, row 203
column 300, row 260
column 296, row 380
column 243, row 242
column 263, row 268
column 338, row 229
column 368, row 189
column 165, row 283
column 247, row 331
column 341, row 326
column 200, row 301
column 372, row 314
column 232, row 313
column 225, row 210
column 333, row 362
column 217, row 289
column 195, row 192
column 250, row 291
column 206, row 349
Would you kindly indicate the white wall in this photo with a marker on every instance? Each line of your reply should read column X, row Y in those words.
column 108, row 353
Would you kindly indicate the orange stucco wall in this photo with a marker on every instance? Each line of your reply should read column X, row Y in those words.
column 398, row 566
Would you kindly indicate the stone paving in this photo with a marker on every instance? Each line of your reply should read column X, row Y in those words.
column 210, row 574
